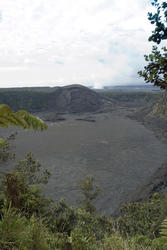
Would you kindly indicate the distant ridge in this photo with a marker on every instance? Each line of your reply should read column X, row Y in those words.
column 132, row 88
column 72, row 99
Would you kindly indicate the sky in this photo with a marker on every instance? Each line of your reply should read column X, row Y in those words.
column 61, row 42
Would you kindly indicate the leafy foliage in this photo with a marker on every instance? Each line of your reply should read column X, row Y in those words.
column 30, row 169
column 21, row 189
column 5, row 153
column 28, row 199
column 60, row 217
column 163, row 228
column 90, row 193
column 20, row 119
column 158, row 19
column 94, row 224
column 28, row 220
column 156, row 69
column 140, row 218
column 18, row 232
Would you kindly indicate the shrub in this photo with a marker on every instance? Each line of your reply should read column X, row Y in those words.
column 60, row 217
column 18, row 232
column 140, row 218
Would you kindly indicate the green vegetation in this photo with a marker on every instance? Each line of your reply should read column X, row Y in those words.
column 156, row 69
column 90, row 193
column 19, row 119
column 142, row 218
column 29, row 220
column 30, row 100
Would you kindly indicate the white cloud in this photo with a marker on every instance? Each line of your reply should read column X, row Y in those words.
column 9, row 68
column 60, row 42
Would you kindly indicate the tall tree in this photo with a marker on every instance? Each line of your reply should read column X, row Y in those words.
column 156, row 69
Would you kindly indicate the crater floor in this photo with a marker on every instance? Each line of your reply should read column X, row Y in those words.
column 119, row 152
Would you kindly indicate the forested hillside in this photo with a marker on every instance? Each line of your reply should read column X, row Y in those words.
column 26, row 99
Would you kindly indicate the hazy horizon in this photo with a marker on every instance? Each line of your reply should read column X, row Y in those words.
column 133, row 85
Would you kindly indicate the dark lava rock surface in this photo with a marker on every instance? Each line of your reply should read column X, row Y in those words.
column 157, row 183
column 51, row 102
column 120, row 153
column 75, row 99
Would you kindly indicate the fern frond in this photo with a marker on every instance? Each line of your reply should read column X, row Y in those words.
column 20, row 119
column 31, row 121
column 4, row 108
column 163, row 228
